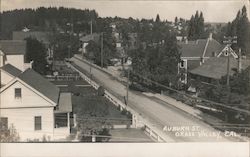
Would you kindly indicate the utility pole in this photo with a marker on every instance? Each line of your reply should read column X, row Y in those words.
column 102, row 50
column 91, row 27
column 128, row 84
column 70, row 36
column 229, row 41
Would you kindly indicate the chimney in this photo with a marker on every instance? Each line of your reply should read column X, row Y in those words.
column 210, row 36
column 239, row 61
column 1, row 58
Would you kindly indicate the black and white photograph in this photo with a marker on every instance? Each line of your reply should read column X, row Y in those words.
column 104, row 77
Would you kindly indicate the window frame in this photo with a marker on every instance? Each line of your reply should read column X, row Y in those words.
column 38, row 124
column 5, row 124
column 18, row 95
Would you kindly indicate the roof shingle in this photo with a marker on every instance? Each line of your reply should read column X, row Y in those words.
column 216, row 67
column 39, row 83
column 11, row 70
column 13, row 47
column 196, row 48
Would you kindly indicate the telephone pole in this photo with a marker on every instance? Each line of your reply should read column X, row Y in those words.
column 91, row 27
column 229, row 41
column 102, row 50
column 128, row 84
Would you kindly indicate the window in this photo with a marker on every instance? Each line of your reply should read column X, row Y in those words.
column 38, row 123
column 18, row 93
column 3, row 123
column 226, row 53
column 182, row 64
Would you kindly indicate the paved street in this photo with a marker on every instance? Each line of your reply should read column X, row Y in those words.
column 158, row 113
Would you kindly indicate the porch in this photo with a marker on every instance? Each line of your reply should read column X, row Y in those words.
column 63, row 117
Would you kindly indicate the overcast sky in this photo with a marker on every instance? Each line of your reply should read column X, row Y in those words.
column 213, row 11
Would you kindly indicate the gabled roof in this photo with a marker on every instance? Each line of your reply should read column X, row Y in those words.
column 13, row 47
column 39, row 35
column 94, row 37
column 39, row 83
column 213, row 47
column 196, row 48
column 216, row 67
column 11, row 70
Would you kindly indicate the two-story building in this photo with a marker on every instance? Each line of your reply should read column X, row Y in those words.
column 13, row 52
column 30, row 103
column 195, row 53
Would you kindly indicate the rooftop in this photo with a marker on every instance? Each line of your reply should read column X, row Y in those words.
column 13, row 47
column 11, row 70
column 216, row 67
column 65, row 103
column 93, row 37
column 39, row 83
column 39, row 35
column 196, row 48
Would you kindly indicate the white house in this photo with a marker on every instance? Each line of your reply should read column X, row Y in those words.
column 29, row 102
column 32, row 104
column 13, row 52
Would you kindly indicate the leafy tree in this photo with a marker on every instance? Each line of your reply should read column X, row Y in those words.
column 91, row 117
column 36, row 52
column 94, row 49
column 158, row 63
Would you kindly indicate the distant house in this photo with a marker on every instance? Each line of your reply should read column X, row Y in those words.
column 86, row 39
column 195, row 53
column 13, row 52
column 39, row 35
column 33, row 105
column 216, row 67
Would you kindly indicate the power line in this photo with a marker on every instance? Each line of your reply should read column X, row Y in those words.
column 190, row 96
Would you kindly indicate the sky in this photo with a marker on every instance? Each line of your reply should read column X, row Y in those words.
column 213, row 11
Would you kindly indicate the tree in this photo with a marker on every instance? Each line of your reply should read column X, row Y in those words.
column 36, row 52
column 176, row 20
column 8, row 134
column 158, row 63
column 94, row 49
column 196, row 26
column 157, row 19
column 92, row 117
column 240, row 27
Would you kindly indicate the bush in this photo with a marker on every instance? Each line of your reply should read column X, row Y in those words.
column 100, row 91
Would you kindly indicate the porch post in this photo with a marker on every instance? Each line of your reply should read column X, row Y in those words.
column 68, row 120
column 74, row 120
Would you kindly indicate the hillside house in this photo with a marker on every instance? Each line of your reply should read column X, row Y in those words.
column 195, row 53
